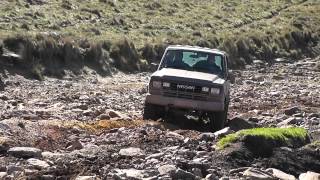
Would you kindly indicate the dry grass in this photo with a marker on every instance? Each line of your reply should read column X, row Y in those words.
column 101, row 125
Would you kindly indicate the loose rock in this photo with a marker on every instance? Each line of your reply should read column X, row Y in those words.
column 24, row 152
column 257, row 174
column 131, row 152
column 36, row 163
column 309, row 176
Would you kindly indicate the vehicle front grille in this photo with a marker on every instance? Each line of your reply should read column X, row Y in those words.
column 195, row 93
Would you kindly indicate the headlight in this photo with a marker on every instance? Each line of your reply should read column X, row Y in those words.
column 166, row 84
column 215, row 91
column 156, row 84
column 205, row 89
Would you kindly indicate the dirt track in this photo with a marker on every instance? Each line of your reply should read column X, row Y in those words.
column 85, row 122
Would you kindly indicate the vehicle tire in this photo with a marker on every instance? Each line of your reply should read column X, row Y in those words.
column 218, row 119
column 153, row 112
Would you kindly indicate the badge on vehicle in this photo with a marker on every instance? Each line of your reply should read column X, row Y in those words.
column 180, row 86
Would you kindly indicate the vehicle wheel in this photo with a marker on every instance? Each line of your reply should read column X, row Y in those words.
column 153, row 112
column 218, row 119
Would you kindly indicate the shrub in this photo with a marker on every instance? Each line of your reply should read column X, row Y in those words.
column 97, row 58
column 125, row 56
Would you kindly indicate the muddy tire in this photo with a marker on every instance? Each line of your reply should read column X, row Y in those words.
column 153, row 112
column 218, row 119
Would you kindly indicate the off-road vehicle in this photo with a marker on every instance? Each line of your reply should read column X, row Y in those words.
column 193, row 79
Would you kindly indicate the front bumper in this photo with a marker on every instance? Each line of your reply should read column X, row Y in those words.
column 185, row 103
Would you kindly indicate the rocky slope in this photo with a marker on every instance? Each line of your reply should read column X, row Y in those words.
column 90, row 128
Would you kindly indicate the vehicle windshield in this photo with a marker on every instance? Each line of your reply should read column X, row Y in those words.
column 193, row 61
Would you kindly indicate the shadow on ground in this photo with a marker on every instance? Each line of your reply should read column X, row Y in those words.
column 181, row 121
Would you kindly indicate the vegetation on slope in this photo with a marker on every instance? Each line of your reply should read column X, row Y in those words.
column 106, row 31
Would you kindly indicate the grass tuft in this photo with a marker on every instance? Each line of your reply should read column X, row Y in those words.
column 281, row 135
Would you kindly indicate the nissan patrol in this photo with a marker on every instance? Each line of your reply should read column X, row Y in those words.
column 192, row 79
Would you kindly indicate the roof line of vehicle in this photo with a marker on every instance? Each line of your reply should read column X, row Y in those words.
column 195, row 47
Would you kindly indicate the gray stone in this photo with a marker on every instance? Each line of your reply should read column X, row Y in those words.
column 257, row 174
column 309, row 176
column 197, row 172
column 167, row 169
column 132, row 152
column 74, row 145
column 51, row 156
column 5, row 143
column 280, row 175
column 3, row 175
column 210, row 177
column 104, row 117
column 181, row 174
column 238, row 123
column 207, row 137
column 290, row 121
column 201, row 163
column 129, row 174
column 48, row 177
column 155, row 156
column 238, row 170
column 13, row 168
column 86, row 178
column 4, row 97
column 114, row 114
column 30, row 172
column 25, row 152
column 38, row 164
column 175, row 136
column 224, row 178
column 291, row 111
column 314, row 115
column 223, row 132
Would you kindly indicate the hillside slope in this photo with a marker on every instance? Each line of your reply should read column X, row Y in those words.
column 246, row 29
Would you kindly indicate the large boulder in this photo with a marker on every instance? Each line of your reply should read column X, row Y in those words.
column 24, row 152
column 309, row 176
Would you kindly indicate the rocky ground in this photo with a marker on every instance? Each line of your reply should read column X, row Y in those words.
column 90, row 128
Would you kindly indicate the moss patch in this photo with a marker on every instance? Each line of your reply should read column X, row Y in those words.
column 282, row 136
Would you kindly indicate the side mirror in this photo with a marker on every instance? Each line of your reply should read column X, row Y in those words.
column 153, row 66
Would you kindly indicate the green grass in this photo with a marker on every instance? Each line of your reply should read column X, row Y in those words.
column 152, row 21
column 277, row 134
